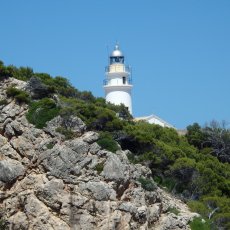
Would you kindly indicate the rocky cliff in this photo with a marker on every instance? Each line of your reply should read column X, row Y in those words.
column 47, row 182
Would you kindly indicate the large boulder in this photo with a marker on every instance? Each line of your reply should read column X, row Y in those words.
column 61, row 160
column 52, row 193
column 114, row 169
column 75, row 124
column 10, row 170
column 98, row 190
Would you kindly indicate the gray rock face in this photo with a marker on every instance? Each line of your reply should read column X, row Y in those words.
column 99, row 190
column 74, row 123
column 6, row 149
column 128, row 207
column 10, row 170
column 114, row 169
column 51, row 193
column 90, row 137
column 61, row 161
column 35, row 209
column 47, row 183
column 20, row 221
column 154, row 212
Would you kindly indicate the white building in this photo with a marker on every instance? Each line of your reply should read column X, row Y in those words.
column 118, row 81
column 118, row 86
column 153, row 119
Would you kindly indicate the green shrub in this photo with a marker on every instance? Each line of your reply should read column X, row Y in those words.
column 147, row 184
column 168, row 183
column 20, row 95
column 199, row 224
column 50, row 145
column 132, row 158
column 99, row 167
column 173, row 210
column 12, row 91
column 22, row 73
column 42, row 111
column 199, row 207
column 68, row 133
column 222, row 220
column 106, row 142
column 4, row 224
column 5, row 71
column 3, row 102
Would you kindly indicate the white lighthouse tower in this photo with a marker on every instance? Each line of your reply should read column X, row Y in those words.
column 118, row 82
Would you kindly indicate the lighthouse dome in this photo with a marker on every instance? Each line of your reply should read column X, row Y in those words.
column 116, row 52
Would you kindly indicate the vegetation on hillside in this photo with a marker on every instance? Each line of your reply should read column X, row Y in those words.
column 194, row 167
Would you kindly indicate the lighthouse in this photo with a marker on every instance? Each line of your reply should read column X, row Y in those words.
column 118, row 80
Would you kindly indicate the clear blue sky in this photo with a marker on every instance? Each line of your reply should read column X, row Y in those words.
column 179, row 50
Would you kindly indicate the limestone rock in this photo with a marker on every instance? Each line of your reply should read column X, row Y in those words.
column 40, row 217
column 10, row 170
column 114, row 169
column 48, row 183
column 23, row 146
column 9, row 132
column 154, row 212
column 6, row 149
column 128, row 207
column 19, row 221
column 51, row 193
column 90, row 137
column 61, row 160
column 98, row 190
column 76, row 124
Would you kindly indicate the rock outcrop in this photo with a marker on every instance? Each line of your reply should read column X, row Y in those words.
column 47, row 182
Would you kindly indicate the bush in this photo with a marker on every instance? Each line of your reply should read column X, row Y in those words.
column 19, row 95
column 99, row 167
column 173, row 210
column 22, row 97
column 4, row 224
column 200, row 224
column 199, row 207
column 5, row 72
column 106, row 142
column 42, row 111
column 168, row 183
column 12, row 91
column 222, row 220
column 37, row 89
column 3, row 102
column 68, row 133
column 147, row 184
column 22, row 73
column 50, row 145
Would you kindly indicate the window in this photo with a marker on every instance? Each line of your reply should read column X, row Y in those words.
column 124, row 80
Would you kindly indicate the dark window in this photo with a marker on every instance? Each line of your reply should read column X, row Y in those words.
column 124, row 80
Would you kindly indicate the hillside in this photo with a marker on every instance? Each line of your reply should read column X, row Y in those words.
column 50, row 183
column 68, row 160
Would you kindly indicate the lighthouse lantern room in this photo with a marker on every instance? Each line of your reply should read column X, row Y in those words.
column 118, row 81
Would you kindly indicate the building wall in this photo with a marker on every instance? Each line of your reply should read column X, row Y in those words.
column 119, row 96
column 157, row 122
column 153, row 119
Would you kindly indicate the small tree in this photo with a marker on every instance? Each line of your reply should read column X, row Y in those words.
column 218, row 138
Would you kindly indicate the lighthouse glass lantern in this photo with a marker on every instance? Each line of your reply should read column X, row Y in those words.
column 118, row 80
